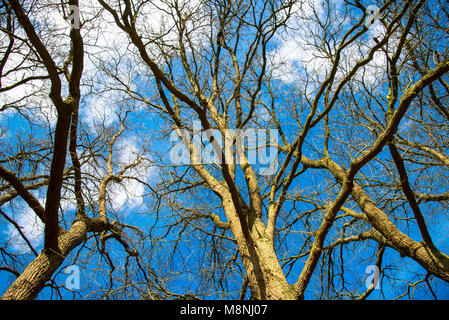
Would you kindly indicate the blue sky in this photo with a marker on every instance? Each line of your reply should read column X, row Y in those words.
column 138, row 206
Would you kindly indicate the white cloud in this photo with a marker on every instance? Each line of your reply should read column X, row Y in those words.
column 31, row 226
column 129, row 151
column 127, row 195
column 296, row 51
column 300, row 57
column 130, row 192
column 101, row 109
column 105, row 45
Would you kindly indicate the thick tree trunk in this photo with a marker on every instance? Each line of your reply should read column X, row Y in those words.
column 41, row 269
column 34, row 277
column 266, row 278
column 277, row 287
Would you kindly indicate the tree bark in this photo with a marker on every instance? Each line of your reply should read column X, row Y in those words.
column 40, row 270
column 266, row 278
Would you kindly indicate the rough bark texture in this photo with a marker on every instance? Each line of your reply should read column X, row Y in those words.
column 255, row 239
column 426, row 255
column 266, row 277
column 40, row 270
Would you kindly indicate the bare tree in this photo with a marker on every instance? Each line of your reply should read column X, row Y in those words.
column 223, row 95
column 31, row 170
column 353, row 102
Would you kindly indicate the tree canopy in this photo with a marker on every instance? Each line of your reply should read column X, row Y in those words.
column 224, row 149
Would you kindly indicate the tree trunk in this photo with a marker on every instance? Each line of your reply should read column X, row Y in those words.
column 41, row 269
column 266, row 278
